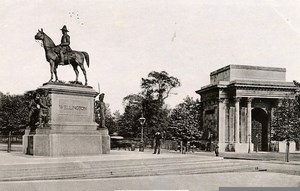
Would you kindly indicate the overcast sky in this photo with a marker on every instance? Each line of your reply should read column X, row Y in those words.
column 127, row 39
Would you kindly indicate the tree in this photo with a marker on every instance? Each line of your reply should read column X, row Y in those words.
column 186, row 121
column 109, row 119
column 157, row 117
column 13, row 113
column 156, row 88
column 149, row 102
column 129, row 125
column 285, row 124
column 115, row 128
column 158, row 85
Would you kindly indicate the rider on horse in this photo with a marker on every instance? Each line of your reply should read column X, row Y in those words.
column 65, row 44
column 54, row 54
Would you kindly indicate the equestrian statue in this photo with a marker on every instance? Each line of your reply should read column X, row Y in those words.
column 62, row 54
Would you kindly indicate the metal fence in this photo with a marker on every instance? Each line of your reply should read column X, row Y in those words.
column 15, row 139
column 10, row 142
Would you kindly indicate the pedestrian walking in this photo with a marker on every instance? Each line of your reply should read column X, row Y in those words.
column 217, row 150
column 157, row 142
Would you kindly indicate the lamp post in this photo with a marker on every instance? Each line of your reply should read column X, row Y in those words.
column 142, row 121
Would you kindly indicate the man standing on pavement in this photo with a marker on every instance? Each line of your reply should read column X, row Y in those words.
column 157, row 141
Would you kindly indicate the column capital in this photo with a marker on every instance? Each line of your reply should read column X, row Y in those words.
column 250, row 99
column 237, row 99
column 221, row 100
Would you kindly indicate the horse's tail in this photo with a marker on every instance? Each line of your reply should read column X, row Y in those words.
column 87, row 58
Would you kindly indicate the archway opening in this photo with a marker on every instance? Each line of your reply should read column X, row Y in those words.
column 259, row 129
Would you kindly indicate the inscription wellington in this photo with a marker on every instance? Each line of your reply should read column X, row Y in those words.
column 73, row 107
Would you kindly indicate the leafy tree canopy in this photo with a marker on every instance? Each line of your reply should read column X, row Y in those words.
column 186, row 121
column 285, row 124
column 13, row 112
column 149, row 102
column 158, row 85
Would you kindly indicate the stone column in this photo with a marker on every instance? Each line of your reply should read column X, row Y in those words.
column 249, row 118
column 237, row 120
column 221, row 124
column 231, row 124
column 269, row 110
column 249, row 122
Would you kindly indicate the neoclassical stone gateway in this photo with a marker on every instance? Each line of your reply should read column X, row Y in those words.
column 238, row 103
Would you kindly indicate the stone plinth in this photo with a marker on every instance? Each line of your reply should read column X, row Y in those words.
column 243, row 147
column 282, row 147
column 222, row 147
column 71, row 128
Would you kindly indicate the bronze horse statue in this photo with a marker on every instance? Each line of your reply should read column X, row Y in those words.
column 74, row 58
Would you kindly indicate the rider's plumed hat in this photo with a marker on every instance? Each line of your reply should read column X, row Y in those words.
column 64, row 28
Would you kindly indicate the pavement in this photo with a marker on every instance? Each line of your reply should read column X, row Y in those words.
column 278, row 174
column 20, row 158
column 263, row 156
column 260, row 156
column 204, row 182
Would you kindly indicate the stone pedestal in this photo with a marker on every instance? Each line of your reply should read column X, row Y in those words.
column 222, row 147
column 25, row 142
column 71, row 129
column 282, row 147
column 243, row 147
column 105, row 138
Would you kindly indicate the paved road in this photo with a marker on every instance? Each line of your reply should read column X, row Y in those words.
column 205, row 182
